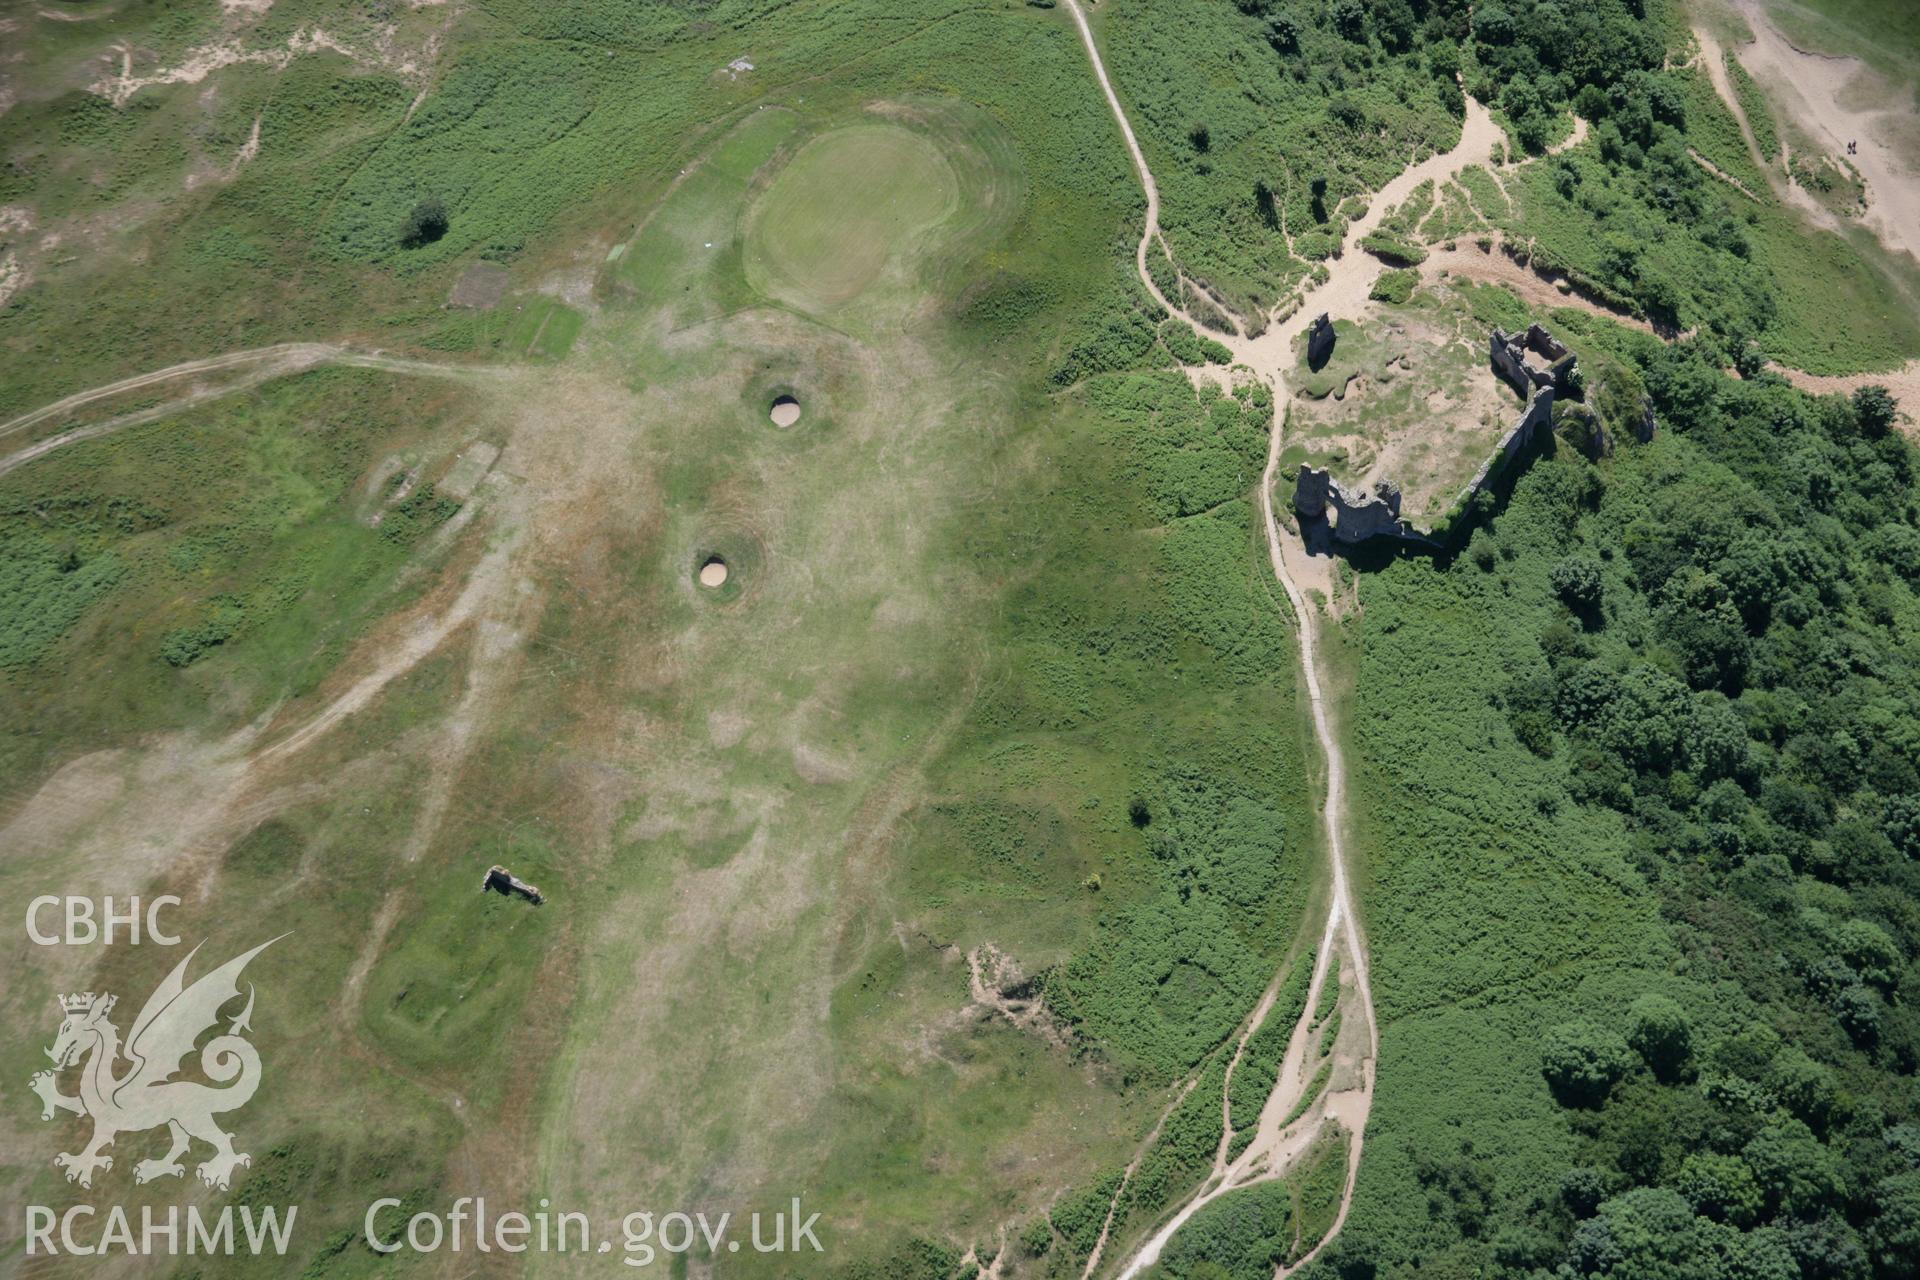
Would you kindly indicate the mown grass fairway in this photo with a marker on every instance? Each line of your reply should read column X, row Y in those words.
column 852, row 204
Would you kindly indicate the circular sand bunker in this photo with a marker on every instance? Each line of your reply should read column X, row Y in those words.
column 714, row 572
column 785, row 411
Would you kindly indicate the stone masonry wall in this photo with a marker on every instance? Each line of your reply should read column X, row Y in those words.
column 1358, row 517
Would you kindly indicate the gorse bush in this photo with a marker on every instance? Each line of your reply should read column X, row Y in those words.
column 1244, row 1235
column 426, row 223
column 1395, row 286
column 1583, row 1062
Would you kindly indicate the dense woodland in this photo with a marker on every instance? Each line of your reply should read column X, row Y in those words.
column 1710, row 673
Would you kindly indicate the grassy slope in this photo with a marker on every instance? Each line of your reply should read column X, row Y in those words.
column 1883, row 33
column 240, row 520
column 1074, row 719
column 1801, row 293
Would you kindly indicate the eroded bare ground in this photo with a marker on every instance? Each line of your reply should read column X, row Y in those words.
column 127, row 814
column 165, row 810
column 1837, row 101
column 768, row 812
column 1504, row 264
column 1903, row 383
column 381, row 47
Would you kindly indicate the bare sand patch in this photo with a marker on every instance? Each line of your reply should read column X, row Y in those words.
column 1903, row 383
column 470, row 467
column 819, row 768
column 481, row 286
column 1536, row 286
column 785, row 412
column 12, row 276
column 727, row 728
column 1834, row 101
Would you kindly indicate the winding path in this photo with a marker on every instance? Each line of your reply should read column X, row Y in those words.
column 1278, row 1145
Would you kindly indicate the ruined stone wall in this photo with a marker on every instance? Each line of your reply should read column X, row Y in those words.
column 1538, row 339
column 1510, row 357
column 1510, row 362
column 1371, row 515
column 1358, row 517
column 1312, row 491
column 1320, row 342
column 1539, row 413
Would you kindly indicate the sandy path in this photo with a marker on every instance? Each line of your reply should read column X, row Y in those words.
column 1572, row 140
column 1537, row 288
column 487, row 584
column 294, row 355
column 1714, row 63
column 1350, row 278
column 1903, row 382
column 1712, row 55
column 1150, row 233
column 1715, row 171
column 261, row 364
column 1812, row 87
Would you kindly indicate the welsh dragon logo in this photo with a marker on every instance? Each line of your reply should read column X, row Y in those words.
column 145, row 1095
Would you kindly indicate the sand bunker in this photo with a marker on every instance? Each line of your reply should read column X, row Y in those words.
column 714, row 572
column 785, row 411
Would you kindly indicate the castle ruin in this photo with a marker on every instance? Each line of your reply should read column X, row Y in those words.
column 1532, row 359
column 1535, row 363
column 1356, row 517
